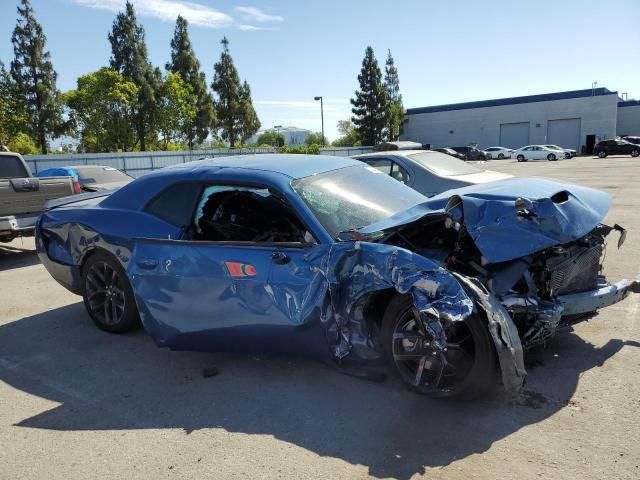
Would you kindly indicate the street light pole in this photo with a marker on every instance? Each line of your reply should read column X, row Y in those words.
column 321, row 116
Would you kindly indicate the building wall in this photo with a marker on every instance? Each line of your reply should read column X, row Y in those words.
column 629, row 118
column 597, row 114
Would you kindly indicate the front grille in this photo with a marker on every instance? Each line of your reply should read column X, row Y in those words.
column 578, row 273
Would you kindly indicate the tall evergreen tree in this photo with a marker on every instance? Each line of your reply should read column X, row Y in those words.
column 395, row 109
column 184, row 62
column 370, row 102
column 250, row 123
column 234, row 108
column 35, row 78
column 129, row 57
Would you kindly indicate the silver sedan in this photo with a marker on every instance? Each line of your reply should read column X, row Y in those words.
column 428, row 172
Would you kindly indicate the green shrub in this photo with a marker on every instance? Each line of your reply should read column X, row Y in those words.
column 302, row 149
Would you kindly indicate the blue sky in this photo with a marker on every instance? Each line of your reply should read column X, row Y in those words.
column 290, row 51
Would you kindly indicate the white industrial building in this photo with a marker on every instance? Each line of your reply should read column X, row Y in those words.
column 576, row 119
column 292, row 135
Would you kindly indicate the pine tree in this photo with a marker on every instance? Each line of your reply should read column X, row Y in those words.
column 395, row 109
column 129, row 57
column 236, row 116
column 249, row 118
column 370, row 104
column 35, row 78
column 184, row 62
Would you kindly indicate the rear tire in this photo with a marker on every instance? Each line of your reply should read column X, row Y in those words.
column 466, row 370
column 521, row 158
column 107, row 294
column 602, row 154
column 551, row 157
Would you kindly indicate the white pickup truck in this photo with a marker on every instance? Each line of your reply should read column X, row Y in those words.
column 22, row 197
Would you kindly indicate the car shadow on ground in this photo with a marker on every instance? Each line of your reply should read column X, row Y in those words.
column 16, row 257
column 112, row 382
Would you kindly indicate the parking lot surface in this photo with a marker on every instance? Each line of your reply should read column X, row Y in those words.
column 76, row 402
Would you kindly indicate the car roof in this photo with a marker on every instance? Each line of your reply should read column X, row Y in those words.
column 397, row 153
column 291, row 165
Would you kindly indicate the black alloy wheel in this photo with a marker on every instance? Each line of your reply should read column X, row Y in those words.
column 108, row 296
column 465, row 369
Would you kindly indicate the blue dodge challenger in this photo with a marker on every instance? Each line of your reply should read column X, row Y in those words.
column 329, row 258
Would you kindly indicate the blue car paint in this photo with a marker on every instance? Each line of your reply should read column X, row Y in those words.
column 186, row 289
column 499, row 231
column 313, row 304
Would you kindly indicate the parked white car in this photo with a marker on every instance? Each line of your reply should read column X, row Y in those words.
column 569, row 152
column 498, row 152
column 537, row 152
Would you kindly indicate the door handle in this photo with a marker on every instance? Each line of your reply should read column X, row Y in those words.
column 147, row 263
column 280, row 258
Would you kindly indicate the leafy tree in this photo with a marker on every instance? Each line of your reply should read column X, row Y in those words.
column 24, row 144
column 129, row 57
column 315, row 139
column 184, row 62
column 13, row 114
column 177, row 110
column 236, row 118
column 349, row 135
column 370, row 102
column 395, row 112
column 249, row 121
column 35, row 78
column 271, row 137
column 103, row 108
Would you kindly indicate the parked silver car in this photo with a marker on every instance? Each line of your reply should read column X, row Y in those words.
column 429, row 172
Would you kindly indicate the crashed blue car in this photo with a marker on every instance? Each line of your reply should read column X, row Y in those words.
column 329, row 258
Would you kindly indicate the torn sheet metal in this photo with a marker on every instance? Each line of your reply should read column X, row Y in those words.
column 354, row 269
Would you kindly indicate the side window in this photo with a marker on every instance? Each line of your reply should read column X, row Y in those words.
column 381, row 164
column 231, row 213
column 175, row 204
column 399, row 173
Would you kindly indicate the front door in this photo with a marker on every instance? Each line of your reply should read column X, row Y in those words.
column 221, row 296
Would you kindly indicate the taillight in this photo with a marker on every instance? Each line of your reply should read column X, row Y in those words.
column 77, row 188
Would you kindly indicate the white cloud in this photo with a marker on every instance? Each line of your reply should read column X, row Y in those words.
column 195, row 13
column 253, row 14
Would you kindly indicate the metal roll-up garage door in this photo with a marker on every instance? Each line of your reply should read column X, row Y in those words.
column 564, row 132
column 514, row 135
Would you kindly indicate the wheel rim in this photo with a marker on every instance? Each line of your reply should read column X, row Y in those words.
column 635, row 153
column 425, row 367
column 601, row 154
column 105, row 293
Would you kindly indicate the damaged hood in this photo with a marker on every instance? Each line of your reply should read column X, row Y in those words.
column 512, row 218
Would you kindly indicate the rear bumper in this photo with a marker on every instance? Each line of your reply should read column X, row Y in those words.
column 603, row 296
column 20, row 224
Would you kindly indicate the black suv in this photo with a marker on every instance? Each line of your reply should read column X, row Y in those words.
column 616, row 147
column 471, row 153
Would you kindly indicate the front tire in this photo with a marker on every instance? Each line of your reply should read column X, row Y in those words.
column 551, row 157
column 521, row 158
column 501, row 156
column 635, row 153
column 107, row 294
column 466, row 370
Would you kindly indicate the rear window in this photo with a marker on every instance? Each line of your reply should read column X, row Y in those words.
column 442, row 164
column 12, row 167
column 101, row 175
